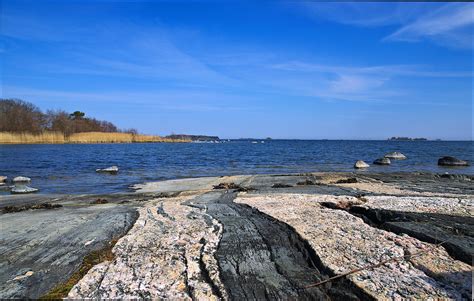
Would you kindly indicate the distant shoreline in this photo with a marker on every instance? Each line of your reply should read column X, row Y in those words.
column 82, row 138
column 51, row 137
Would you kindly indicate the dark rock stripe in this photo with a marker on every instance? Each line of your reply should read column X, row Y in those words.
column 261, row 258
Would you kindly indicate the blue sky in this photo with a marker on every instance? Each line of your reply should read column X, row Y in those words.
column 239, row 69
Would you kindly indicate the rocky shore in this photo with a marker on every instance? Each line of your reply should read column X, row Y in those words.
column 343, row 236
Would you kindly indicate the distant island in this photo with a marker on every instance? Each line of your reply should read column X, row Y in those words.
column 22, row 122
column 193, row 137
column 406, row 139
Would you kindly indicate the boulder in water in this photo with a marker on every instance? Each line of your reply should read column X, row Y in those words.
column 111, row 169
column 396, row 156
column 382, row 161
column 3, row 179
column 451, row 161
column 23, row 189
column 21, row 179
column 361, row 164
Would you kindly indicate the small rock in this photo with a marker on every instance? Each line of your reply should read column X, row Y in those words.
column 21, row 180
column 396, row 156
column 23, row 189
column 382, row 161
column 111, row 169
column 226, row 186
column 3, row 179
column 305, row 183
column 27, row 274
column 451, row 161
column 361, row 164
column 99, row 201
column 89, row 242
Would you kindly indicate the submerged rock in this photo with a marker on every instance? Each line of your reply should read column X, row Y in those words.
column 382, row 161
column 111, row 169
column 23, row 189
column 451, row 161
column 361, row 164
column 396, row 156
column 21, row 179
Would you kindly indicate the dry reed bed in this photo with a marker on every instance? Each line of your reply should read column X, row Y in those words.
column 86, row 137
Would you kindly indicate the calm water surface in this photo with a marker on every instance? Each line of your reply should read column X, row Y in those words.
column 71, row 168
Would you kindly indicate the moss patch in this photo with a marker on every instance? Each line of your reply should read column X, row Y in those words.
column 92, row 259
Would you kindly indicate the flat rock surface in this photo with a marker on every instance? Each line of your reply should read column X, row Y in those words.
column 345, row 242
column 41, row 248
column 259, row 237
column 169, row 253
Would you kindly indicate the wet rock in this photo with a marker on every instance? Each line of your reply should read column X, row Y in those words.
column 382, row 161
column 112, row 170
column 21, row 179
column 395, row 156
column 452, row 161
column 3, row 179
column 23, row 189
column 361, row 164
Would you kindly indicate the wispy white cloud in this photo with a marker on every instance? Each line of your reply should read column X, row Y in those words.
column 445, row 24
column 362, row 14
column 380, row 70
column 130, row 50
column 372, row 84
column 451, row 25
column 354, row 84
column 146, row 55
column 172, row 100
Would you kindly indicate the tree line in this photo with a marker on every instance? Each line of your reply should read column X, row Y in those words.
column 20, row 116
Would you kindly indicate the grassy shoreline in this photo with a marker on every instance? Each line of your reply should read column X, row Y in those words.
column 80, row 138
